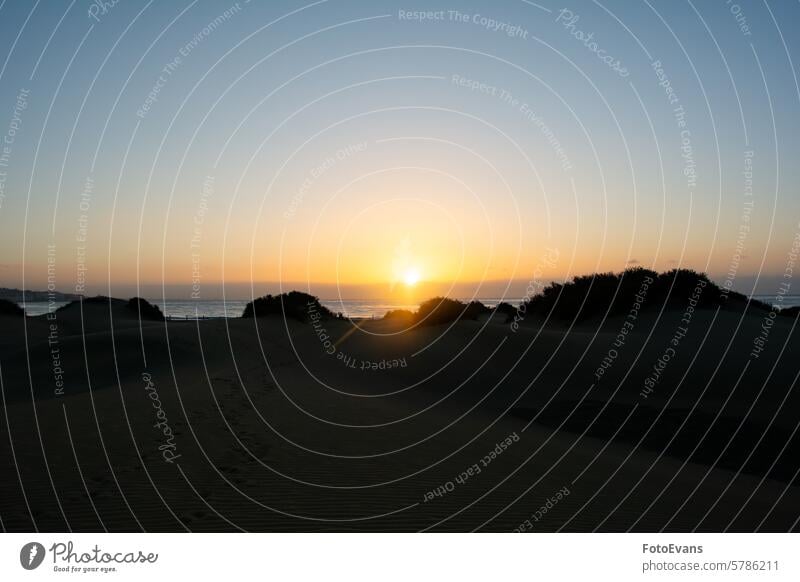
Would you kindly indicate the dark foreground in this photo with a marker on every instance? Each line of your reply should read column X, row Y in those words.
column 263, row 425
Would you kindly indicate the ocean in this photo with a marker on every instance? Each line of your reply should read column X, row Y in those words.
column 356, row 309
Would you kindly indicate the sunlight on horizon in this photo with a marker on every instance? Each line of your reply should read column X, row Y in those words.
column 411, row 277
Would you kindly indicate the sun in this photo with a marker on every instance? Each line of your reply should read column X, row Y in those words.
column 411, row 276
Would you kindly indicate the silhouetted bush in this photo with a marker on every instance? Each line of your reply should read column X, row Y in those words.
column 615, row 293
column 790, row 311
column 475, row 309
column 443, row 310
column 10, row 308
column 294, row 304
column 400, row 315
column 505, row 308
column 439, row 310
column 678, row 285
column 144, row 309
column 96, row 300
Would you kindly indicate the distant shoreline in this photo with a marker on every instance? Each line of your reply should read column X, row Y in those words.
column 177, row 309
column 28, row 296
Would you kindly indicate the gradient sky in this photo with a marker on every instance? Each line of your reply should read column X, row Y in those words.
column 296, row 144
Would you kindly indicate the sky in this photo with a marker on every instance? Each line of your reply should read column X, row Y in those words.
column 377, row 149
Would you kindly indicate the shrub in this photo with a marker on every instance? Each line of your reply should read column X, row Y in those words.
column 614, row 294
column 439, row 310
column 443, row 310
column 475, row 309
column 294, row 304
column 98, row 299
column 505, row 308
column 399, row 315
column 790, row 311
column 144, row 309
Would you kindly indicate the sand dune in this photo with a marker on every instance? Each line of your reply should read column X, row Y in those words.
column 269, row 431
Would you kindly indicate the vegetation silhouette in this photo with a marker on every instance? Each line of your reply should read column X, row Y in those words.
column 590, row 296
column 440, row 310
column 505, row 308
column 144, row 309
column 96, row 300
column 403, row 315
column 584, row 297
column 294, row 305
column 10, row 308
column 475, row 309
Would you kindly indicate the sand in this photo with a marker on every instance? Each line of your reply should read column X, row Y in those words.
column 264, row 425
